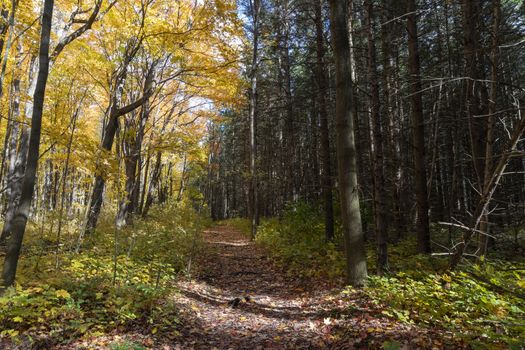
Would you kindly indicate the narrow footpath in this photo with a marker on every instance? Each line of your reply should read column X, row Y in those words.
column 236, row 299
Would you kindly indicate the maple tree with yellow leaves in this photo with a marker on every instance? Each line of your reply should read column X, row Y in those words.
column 131, row 85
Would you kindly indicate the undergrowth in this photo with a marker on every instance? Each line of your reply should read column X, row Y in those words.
column 119, row 279
column 477, row 302
column 297, row 242
column 240, row 224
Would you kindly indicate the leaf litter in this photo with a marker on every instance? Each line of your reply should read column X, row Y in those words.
column 238, row 299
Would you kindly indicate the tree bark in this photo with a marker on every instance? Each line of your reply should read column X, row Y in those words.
column 327, row 185
column 20, row 220
column 491, row 121
column 356, row 270
column 253, row 192
column 155, row 176
column 64, row 184
column 10, row 28
column 18, row 157
column 418, row 132
column 380, row 206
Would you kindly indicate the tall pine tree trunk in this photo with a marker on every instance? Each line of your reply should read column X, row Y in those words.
column 491, row 121
column 381, row 227
column 418, row 132
column 253, row 193
column 356, row 271
column 326, row 187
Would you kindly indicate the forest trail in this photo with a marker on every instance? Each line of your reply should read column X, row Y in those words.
column 280, row 313
column 237, row 300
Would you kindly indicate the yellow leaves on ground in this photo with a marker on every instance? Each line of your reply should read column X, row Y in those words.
column 62, row 294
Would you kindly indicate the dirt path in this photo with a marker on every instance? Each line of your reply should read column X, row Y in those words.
column 237, row 300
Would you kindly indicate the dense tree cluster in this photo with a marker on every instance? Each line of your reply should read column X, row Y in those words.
column 107, row 102
column 437, row 112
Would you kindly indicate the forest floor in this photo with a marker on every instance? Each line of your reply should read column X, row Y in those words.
column 235, row 297
column 238, row 300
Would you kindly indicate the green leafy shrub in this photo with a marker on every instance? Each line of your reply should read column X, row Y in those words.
column 95, row 291
column 417, row 290
column 455, row 300
column 297, row 242
column 241, row 224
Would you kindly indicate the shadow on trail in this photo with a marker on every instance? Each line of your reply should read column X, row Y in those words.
column 281, row 312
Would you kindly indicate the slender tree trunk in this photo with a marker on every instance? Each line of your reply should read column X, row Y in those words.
column 98, row 188
column 392, row 144
column 473, row 104
column 155, row 176
column 12, row 191
column 20, row 220
column 418, row 132
column 356, row 271
column 10, row 29
column 64, row 186
column 182, row 179
column 491, row 121
column 323, row 118
column 292, row 166
column 380, row 205
column 6, row 151
column 144, row 185
column 253, row 192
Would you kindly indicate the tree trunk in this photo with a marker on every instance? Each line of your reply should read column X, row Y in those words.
column 491, row 121
column 418, row 132
column 64, row 184
column 20, row 220
column 10, row 27
column 183, row 178
column 380, row 206
column 144, row 185
column 132, row 159
column 155, row 176
column 19, row 157
column 356, row 271
column 253, row 193
column 12, row 191
column 326, row 187
column 98, row 188
column 109, row 136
